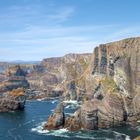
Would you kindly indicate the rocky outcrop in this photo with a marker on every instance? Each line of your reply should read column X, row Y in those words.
column 12, row 89
column 73, row 123
column 12, row 101
column 103, row 114
column 14, row 78
column 57, row 119
column 109, row 87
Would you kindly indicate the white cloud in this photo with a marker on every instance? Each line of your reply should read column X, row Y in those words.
column 20, row 16
column 39, row 32
column 37, row 42
column 122, row 33
column 61, row 14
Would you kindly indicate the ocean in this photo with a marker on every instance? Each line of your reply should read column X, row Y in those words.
column 27, row 125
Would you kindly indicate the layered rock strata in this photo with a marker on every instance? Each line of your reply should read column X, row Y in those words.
column 54, row 75
column 109, row 87
column 12, row 89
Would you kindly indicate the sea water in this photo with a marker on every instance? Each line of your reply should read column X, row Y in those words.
column 28, row 124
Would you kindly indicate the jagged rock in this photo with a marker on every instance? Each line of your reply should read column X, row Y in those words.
column 73, row 123
column 57, row 119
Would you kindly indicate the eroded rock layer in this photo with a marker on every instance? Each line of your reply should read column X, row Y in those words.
column 109, row 87
column 12, row 89
column 52, row 77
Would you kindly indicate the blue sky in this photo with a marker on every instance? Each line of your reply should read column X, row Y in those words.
column 37, row 29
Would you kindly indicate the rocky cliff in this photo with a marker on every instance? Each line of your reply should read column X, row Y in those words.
column 52, row 77
column 14, row 78
column 109, row 87
column 12, row 101
column 12, row 89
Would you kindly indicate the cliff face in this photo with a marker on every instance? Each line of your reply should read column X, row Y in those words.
column 113, row 80
column 52, row 76
column 121, row 61
column 14, row 78
column 109, row 87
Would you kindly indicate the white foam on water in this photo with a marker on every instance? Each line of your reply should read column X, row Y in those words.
column 42, row 99
column 60, row 131
column 54, row 101
column 39, row 129
column 120, row 134
column 68, row 106
column 71, row 102
column 127, row 138
column 39, row 99
column 52, row 110
column 66, row 134
column 85, row 137
column 70, row 114
column 138, row 121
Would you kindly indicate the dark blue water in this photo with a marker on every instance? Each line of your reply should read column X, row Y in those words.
column 27, row 125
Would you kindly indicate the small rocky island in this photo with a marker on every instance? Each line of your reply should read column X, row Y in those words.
column 108, row 89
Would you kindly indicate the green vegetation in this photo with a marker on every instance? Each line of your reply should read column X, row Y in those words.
column 83, row 63
column 109, row 85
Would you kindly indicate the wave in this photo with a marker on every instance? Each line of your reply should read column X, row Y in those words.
column 91, row 135
column 42, row 99
column 69, row 114
column 71, row 102
column 39, row 128
column 52, row 110
column 67, row 106
column 54, row 101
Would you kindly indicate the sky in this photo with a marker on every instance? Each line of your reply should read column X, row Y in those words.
column 37, row 29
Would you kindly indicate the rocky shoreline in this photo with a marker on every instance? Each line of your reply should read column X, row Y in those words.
column 111, row 84
column 106, row 82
